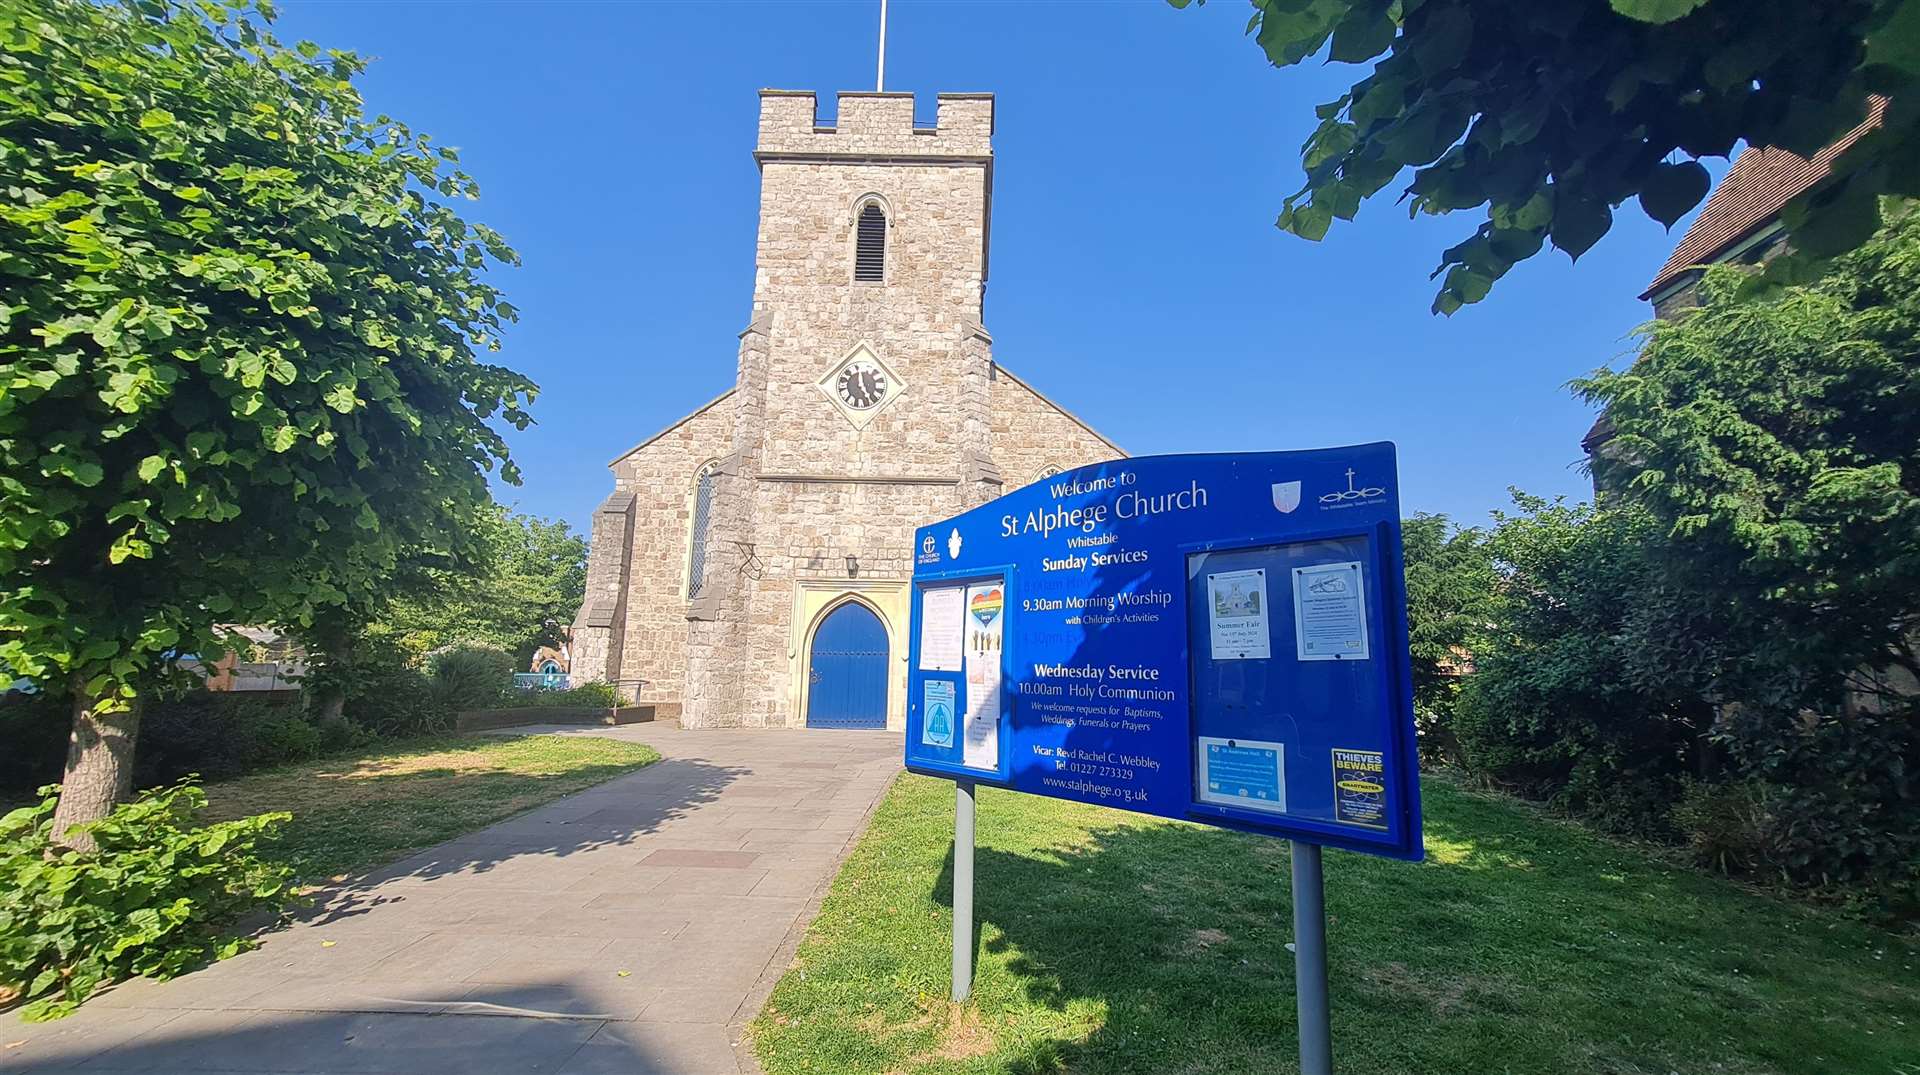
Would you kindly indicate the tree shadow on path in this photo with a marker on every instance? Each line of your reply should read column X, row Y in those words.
column 521, row 851
column 546, row 1026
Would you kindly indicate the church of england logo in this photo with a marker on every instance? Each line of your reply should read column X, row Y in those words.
column 929, row 551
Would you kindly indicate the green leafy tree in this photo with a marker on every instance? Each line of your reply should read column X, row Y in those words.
column 527, row 578
column 1551, row 114
column 1775, row 440
column 1724, row 649
column 1572, row 698
column 238, row 349
column 511, row 583
column 1450, row 590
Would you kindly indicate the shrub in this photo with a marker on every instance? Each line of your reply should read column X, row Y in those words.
column 1450, row 590
column 340, row 736
column 153, row 900
column 1728, row 825
column 215, row 735
column 1561, row 706
column 1844, row 796
column 33, row 740
column 1768, row 436
column 285, row 736
column 1622, row 690
column 590, row 695
column 219, row 735
column 470, row 676
column 396, row 703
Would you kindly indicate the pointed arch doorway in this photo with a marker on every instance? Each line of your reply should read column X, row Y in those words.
column 847, row 669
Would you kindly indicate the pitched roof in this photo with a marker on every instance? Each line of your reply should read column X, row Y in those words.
column 1751, row 196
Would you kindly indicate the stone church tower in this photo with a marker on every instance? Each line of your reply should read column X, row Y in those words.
column 752, row 565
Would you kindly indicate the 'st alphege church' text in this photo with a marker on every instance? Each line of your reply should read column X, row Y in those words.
column 752, row 565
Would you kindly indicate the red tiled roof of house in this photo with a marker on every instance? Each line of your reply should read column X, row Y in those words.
column 1751, row 195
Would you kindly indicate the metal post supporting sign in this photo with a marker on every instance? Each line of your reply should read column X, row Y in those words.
column 1310, row 960
column 962, row 889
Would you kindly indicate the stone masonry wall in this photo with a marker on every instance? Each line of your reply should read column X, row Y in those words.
column 912, row 321
column 1030, row 434
column 808, row 530
column 660, row 475
column 717, row 618
column 595, row 637
column 879, row 124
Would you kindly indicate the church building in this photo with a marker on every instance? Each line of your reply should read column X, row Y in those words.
column 752, row 566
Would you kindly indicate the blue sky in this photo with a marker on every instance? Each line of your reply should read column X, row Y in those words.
column 1137, row 278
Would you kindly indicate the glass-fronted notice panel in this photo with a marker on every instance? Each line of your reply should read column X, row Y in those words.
column 1219, row 638
column 959, row 656
column 1289, row 715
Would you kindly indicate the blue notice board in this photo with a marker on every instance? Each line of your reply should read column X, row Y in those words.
column 1217, row 638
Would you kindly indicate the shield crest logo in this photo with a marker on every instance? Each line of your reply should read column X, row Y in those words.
column 1286, row 496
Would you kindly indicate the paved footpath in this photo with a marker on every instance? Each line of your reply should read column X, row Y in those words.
column 634, row 927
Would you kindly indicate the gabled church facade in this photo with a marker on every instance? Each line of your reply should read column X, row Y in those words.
column 753, row 562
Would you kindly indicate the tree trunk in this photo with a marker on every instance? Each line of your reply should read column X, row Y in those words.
column 330, row 707
column 334, row 658
column 99, row 767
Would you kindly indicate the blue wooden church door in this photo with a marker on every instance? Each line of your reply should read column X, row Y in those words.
column 847, row 684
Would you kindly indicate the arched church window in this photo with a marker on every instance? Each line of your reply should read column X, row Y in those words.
column 702, row 523
column 1046, row 472
column 870, row 245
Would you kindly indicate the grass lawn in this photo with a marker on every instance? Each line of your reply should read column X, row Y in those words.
column 353, row 812
column 1110, row 942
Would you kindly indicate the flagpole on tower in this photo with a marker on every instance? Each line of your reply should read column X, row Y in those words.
column 880, row 77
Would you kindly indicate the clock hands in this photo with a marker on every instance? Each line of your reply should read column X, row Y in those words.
column 862, row 388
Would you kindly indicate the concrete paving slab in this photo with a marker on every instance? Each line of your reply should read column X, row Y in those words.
column 619, row 924
column 717, row 860
column 761, row 840
column 788, row 881
column 571, row 1000
column 712, row 882
column 622, row 885
column 502, row 951
column 648, row 1048
column 423, row 996
column 349, row 1042
column 696, row 1004
column 40, row 1047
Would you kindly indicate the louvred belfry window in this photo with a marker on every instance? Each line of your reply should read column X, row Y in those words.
column 870, row 246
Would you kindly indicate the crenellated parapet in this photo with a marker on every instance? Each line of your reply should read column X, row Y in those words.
column 873, row 125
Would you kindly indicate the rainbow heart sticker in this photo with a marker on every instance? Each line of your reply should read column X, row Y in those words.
column 986, row 606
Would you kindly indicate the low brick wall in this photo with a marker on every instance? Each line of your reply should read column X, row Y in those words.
column 479, row 720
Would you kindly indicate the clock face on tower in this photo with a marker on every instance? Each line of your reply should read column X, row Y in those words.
column 862, row 385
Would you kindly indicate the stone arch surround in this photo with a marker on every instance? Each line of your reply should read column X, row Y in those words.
column 813, row 599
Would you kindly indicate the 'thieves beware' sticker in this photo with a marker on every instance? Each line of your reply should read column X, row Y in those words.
column 1360, row 788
